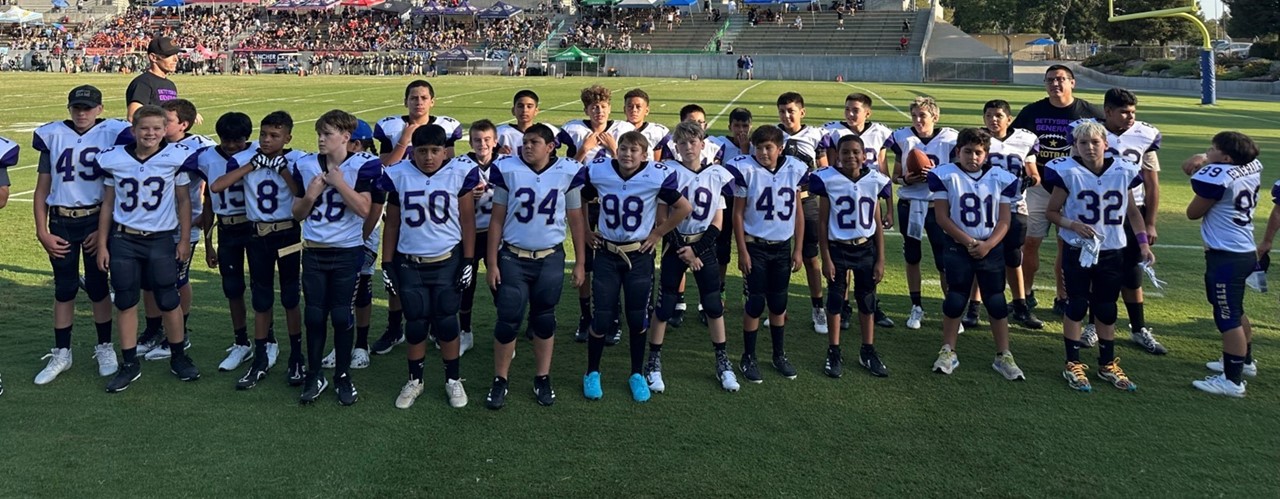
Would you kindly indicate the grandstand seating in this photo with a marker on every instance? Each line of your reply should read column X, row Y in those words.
column 866, row 33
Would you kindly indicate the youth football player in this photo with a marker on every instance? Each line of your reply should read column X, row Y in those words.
column 1090, row 195
column 636, row 109
column 692, row 247
column 915, row 218
column 536, row 201
column 430, row 244
column 971, row 204
column 482, row 138
column 8, row 157
column 803, row 143
column 332, row 191
column 272, row 250
column 737, row 143
column 524, row 108
column 149, row 201
column 766, row 219
column 1226, row 195
column 851, row 239
column 67, row 202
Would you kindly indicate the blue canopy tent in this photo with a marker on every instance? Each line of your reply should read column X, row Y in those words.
column 681, row 3
column 61, row 4
column 759, row 2
column 1042, row 42
column 500, row 10
column 169, row 3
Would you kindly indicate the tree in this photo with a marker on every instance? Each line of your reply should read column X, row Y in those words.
column 1254, row 18
column 1159, row 29
column 983, row 16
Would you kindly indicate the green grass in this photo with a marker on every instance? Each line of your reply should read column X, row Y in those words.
column 915, row 433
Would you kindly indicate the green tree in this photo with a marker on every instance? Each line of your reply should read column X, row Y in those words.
column 1158, row 29
column 1250, row 18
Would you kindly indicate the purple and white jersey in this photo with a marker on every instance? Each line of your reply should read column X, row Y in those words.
column 729, row 150
column 537, row 202
column 1228, row 225
column 1132, row 144
column 429, row 221
column 8, row 157
column 654, row 133
column 853, row 201
column 71, row 154
column 484, row 204
column 513, row 138
column 388, row 130
column 144, row 189
column 873, row 135
column 330, row 222
column 705, row 189
column 213, row 165
column 267, row 196
column 711, row 151
column 575, row 132
column 974, row 198
column 939, row 148
column 195, row 182
column 1100, row 201
column 772, row 197
column 629, row 204
column 804, row 145
column 1012, row 155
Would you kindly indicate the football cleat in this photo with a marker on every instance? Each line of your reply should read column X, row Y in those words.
column 128, row 373
column 236, row 354
column 389, row 339
column 457, row 394
column 543, row 392
column 107, row 362
column 1077, row 377
column 639, row 388
column 784, row 366
column 347, row 394
column 1089, row 335
column 833, row 367
column 751, row 369
column 409, row 393
column 1250, row 369
column 870, row 359
column 1220, row 385
column 314, row 387
column 819, row 317
column 1113, row 373
column 59, row 362
column 591, row 386
column 182, row 367
column 497, row 397
column 1147, row 341
column 917, row 315
column 1005, row 365
column 653, row 373
column 947, row 361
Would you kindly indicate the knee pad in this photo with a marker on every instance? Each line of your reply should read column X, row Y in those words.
column 777, row 302
column 95, row 286
column 415, row 331
column 955, row 302
column 167, row 299
column 262, row 298
column 126, row 299
column 754, row 306
column 414, row 303
column 233, row 285
column 1077, row 308
column 445, row 327
column 809, row 250
column 313, row 317
column 911, row 250
column 65, row 290
column 711, row 305
column 543, row 324
column 1131, row 277
column 342, row 319
column 997, row 307
column 290, row 296
column 868, row 302
column 667, row 307
column 1013, row 258
column 835, row 302
column 602, row 322
column 364, row 291
column 1105, row 313
column 638, row 320
column 505, row 332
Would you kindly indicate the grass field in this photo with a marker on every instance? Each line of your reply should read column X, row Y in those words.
column 913, row 434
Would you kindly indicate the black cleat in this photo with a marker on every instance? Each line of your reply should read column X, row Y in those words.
column 182, row 367
column 970, row 317
column 677, row 318
column 497, row 397
column 871, row 360
column 389, row 339
column 128, row 373
column 347, row 393
column 314, row 387
column 1027, row 319
column 834, row 367
column 543, row 392
column 1059, row 307
column 882, row 319
column 1031, row 300
column 252, row 377
column 297, row 371
column 784, row 366
column 751, row 369
column 613, row 339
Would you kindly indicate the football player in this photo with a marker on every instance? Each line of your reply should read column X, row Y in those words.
column 737, row 143
column 635, row 105
column 8, row 157
column 362, row 141
column 803, row 143
column 482, row 138
column 524, row 108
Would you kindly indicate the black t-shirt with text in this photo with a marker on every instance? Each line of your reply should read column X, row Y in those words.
column 149, row 89
column 1050, row 124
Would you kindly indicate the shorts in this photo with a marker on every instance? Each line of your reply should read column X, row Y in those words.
column 1224, row 277
column 1037, row 199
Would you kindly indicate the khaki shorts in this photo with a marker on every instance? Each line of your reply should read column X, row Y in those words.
column 1037, row 203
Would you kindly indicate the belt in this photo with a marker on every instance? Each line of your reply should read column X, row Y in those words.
column 422, row 260
column 691, row 238
column 753, row 239
column 76, row 212
column 531, row 254
column 265, row 228
column 135, row 232
column 316, row 245
column 232, row 220
column 857, row 241
column 622, row 249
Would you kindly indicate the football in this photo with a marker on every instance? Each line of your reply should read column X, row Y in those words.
column 918, row 162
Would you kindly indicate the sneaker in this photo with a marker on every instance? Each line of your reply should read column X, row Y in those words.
column 724, row 373
column 543, row 392
column 639, row 388
column 107, row 362
column 1027, row 319
column 1005, row 365
column 613, row 339
column 947, row 361
column 677, row 318
column 870, row 359
column 1146, row 340
column 1219, row 384
column 298, row 371
column 389, row 339
column 128, row 373
column 882, row 319
column 457, row 394
column 497, row 394
column 653, row 373
column 59, row 362
column 820, row 321
column 591, row 386
column 162, row 352
column 584, row 327
column 236, row 354
column 408, row 394
column 833, row 366
column 182, row 367
column 314, row 387
column 251, row 377
column 970, row 317
column 1059, row 307
column 1250, row 369
column 151, row 340
column 329, row 361
column 466, row 340
column 750, row 369
column 347, row 394
column 1089, row 335
column 273, row 353
column 917, row 315
column 359, row 358
column 784, row 366
column 1076, row 376
column 1113, row 373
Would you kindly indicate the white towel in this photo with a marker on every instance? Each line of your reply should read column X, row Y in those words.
column 915, row 218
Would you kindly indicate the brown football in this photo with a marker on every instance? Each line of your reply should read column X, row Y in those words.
column 918, row 162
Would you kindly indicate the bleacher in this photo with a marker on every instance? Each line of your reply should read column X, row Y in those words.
column 866, row 33
column 693, row 34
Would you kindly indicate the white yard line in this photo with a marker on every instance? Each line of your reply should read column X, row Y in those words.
column 882, row 99
column 729, row 106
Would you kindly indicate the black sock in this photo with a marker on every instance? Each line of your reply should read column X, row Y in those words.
column 1233, row 367
column 584, row 308
column 394, row 318
column 415, row 368
column 177, row 350
column 1031, row 296
column 242, row 336
column 1137, row 316
column 915, row 299
column 343, row 341
column 833, row 349
column 1089, row 319
column 655, row 347
column 451, row 368
column 868, row 348
column 1073, row 349
column 464, row 320
column 130, row 355
column 775, row 333
column 104, row 331
column 719, row 347
column 595, row 350
column 637, row 351
column 62, row 337
column 295, row 346
column 1106, row 351
column 271, row 334
column 260, row 350
column 153, row 325
column 816, row 301
column 749, row 342
column 680, row 297
column 185, row 317
column 362, row 337
column 1019, row 305
column 1248, row 356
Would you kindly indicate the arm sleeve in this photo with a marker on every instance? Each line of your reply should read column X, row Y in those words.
column 1207, row 190
column 572, row 199
column 500, row 195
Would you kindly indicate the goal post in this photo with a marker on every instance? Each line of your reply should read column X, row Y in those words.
column 1208, row 78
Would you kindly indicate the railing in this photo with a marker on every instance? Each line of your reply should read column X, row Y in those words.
column 710, row 47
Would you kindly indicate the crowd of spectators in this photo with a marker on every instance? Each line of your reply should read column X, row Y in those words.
column 331, row 31
column 603, row 29
column 51, row 37
column 193, row 27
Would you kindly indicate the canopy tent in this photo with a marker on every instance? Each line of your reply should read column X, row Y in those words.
column 61, row 4
column 458, row 54
column 429, row 9
column 500, row 10
column 18, row 15
column 574, row 54
column 637, row 4
column 463, row 9
column 304, row 4
column 360, row 3
column 169, row 3
column 237, row 2
column 394, row 7
column 681, row 3
column 1042, row 41
column 798, row 1
column 597, row 3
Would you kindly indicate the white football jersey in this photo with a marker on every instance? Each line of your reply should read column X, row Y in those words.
column 537, row 216
column 74, row 182
column 144, row 190
column 267, row 196
column 195, row 184
column 711, row 151
column 388, row 130
column 1100, row 201
column 575, row 132
column 429, row 221
column 1012, row 154
column 939, row 149
column 873, row 135
column 654, row 133
column 1228, row 226
column 853, row 202
column 974, row 197
column 513, row 138
column 1132, row 144
column 705, row 189
column 212, row 164
column 629, row 205
column 729, row 150
column 803, row 145
column 330, row 222
column 8, row 157
column 484, row 205
column 772, row 198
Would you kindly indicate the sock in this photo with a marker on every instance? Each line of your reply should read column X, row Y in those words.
column 1106, row 351
column 719, row 347
column 242, row 336
column 464, row 320
column 394, row 318
column 362, row 337
column 1248, row 356
column 295, row 346
column 1073, row 349
column 178, row 349
column 130, row 355
column 271, row 334
column 680, row 297
column 868, row 348
column 1233, row 367
column 655, row 347
column 637, row 351
column 502, row 380
column 584, row 308
column 415, row 368
column 62, row 337
column 775, row 333
column 1019, row 305
column 1031, row 296
column 1137, row 316
column 185, row 331
column 833, row 349
column 749, row 342
column 316, row 337
column 260, row 349
column 816, row 301
column 915, row 299
column 153, row 325
column 451, row 369
column 104, row 331
column 595, row 350
column 343, row 340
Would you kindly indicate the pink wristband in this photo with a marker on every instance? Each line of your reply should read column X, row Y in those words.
column 1142, row 238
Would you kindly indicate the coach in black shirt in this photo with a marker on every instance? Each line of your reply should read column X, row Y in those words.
column 153, row 86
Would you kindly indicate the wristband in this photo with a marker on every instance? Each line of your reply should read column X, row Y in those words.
column 1142, row 238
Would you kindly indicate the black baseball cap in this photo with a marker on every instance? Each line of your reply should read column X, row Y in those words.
column 163, row 46
column 85, row 95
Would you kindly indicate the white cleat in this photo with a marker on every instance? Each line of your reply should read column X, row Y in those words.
column 59, row 362
column 329, row 360
column 466, row 340
column 409, row 394
column 236, row 354
column 1250, row 369
column 917, row 315
column 819, row 321
column 1220, row 385
column 359, row 358
column 273, row 353
column 457, row 395
column 728, row 381
column 656, row 385
column 108, row 364
column 1089, row 335
column 947, row 361
column 1005, row 365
